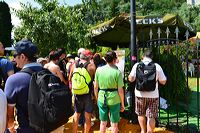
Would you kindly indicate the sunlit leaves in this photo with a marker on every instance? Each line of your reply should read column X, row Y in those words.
column 52, row 26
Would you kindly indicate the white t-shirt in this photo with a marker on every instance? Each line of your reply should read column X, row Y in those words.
column 3, row 111
column 160, row 76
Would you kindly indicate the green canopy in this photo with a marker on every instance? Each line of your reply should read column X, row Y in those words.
column 149, row 29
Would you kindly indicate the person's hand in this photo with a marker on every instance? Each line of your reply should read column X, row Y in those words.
column 122, row 108
column 12, row 129
column 11, row 124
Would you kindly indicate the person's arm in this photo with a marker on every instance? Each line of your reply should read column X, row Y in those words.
column 163, row 82
column 131, row 78
column 10, row 118
column 10, row 92
column 96, row 87
column 161, row 76
column 70, row 76
column 121, row 95
column 132, row 74
column 91, row 70
column 60, row 75
column 71, row 72
column 120, row 85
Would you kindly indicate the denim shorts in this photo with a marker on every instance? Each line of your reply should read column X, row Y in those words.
column 83, row 103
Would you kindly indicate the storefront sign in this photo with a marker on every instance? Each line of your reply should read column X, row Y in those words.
column 156, row 20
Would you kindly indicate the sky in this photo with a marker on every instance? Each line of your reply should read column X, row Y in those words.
column 16, row 4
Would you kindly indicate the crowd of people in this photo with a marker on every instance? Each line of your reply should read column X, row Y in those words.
column 103, row 96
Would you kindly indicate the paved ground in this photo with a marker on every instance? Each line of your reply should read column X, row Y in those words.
column 124, row 127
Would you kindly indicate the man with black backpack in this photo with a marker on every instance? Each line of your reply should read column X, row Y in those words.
column 148, row 75
column 17, row 86
column 42, row 101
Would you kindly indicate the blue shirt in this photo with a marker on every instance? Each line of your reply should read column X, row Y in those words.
column 16, row 90
column 5, row 66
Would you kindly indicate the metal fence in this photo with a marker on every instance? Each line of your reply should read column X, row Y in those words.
column 183, row 114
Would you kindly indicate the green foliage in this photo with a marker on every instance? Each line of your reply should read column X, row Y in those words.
column 197, row 22
column 161, row 7
column 52, row 26
column 172, row 67
column 190, row 14
column 5, row 24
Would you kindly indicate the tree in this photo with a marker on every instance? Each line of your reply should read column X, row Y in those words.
column 157, row 7
column 52, row 26
column 190, row 14
column 5, row 24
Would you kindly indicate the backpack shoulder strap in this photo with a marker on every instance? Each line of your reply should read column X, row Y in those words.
column 78, row 64
column 151, row 63
column 140, row 65
column 27, row 70
column 86, row 64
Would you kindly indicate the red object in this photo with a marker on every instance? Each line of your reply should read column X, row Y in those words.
column 87, row 52
column 133, row 58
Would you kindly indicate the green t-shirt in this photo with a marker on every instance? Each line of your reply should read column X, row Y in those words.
column 109, row 77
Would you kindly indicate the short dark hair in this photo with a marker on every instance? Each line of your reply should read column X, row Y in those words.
column 54, row 55
column 148, row 53
column 110, row 56
column 61, row 51
column 97, row 58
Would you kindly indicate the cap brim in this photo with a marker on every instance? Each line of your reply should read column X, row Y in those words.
column 9, row 48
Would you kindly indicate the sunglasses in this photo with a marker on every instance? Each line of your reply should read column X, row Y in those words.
column 16, row 54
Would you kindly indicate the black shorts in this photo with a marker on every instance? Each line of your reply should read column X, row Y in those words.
column 83, row 103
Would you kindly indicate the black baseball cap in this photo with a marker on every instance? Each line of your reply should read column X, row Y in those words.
column 27, row 47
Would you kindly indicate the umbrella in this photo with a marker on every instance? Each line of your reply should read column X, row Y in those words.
column 149, row 29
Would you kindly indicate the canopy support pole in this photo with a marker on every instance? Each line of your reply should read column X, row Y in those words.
column 133, row 33
column 133, row 115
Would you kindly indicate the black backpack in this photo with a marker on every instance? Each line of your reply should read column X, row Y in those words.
column 146, row 77
column 49, row 101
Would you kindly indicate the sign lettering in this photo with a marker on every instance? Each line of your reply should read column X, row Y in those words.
column 156, row 20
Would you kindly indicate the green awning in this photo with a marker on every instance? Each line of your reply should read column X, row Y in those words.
column 117, row 30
